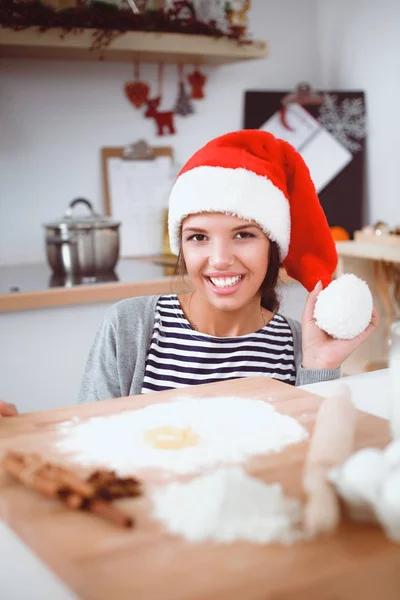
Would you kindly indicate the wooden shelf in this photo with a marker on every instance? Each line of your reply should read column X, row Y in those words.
column 368, row 251
column 136, row 45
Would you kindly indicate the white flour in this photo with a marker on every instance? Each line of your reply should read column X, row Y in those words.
column 228, row 505
column 229, row 430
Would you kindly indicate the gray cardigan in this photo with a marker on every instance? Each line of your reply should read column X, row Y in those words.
column 116, row 363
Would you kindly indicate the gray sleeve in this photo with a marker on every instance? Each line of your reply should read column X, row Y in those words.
column 306, row 376
column 116, row 364
column 100, row 379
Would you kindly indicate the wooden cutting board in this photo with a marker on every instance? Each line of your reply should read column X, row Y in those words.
column 99, row 561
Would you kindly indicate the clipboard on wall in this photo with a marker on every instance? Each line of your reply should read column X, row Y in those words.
column 136, row 183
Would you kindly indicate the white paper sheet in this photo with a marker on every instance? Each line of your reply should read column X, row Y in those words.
column 323, row 154
column 139, row 192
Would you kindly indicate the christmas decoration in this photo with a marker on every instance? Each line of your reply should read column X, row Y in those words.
column 183, row 106
column 137, row 91
column 183, row 11
column 60, row 4
column 346, row 121
column 236, row 11
column 164, row 119
column 213, row 12
column 218, row 177
column 197, row 81
column 108, row 21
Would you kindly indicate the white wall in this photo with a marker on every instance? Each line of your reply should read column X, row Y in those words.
column 55, row 117
column 359, row 42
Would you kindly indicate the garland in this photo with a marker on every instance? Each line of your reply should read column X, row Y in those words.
column 106, row 20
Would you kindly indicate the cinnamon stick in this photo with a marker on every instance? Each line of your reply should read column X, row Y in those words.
column 72, row 481
column 110, row 513
column 59, row 483
column 15, row 467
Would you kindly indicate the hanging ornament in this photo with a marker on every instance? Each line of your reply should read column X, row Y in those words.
column 197, row 81
column 137, row 91
column 183, row 105
column 164, row 119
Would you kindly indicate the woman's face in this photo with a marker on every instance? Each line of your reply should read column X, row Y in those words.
column 226, row 258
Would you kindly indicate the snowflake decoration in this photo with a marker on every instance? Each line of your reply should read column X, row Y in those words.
column 346, row 121
column 212, row 10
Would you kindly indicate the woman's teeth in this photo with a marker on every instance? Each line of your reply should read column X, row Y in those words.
column 225, row 281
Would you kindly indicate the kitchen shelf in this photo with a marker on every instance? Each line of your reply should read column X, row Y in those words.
column 127, row 47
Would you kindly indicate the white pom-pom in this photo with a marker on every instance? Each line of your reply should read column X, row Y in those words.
column 344, row 309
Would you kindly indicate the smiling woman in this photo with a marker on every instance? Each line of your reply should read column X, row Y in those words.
column 241, row 206
column 228, row 261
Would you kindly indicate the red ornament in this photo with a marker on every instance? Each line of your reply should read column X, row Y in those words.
column 137, row 91
column 164, row 119
column 197, row 81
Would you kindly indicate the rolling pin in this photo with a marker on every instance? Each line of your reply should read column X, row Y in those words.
column 331, row 444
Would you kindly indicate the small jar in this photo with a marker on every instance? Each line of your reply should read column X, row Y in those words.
column 394, row 380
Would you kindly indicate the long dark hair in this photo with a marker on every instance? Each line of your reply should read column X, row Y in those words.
column 268, row 289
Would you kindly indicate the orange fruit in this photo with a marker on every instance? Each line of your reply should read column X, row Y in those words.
column 339, row 234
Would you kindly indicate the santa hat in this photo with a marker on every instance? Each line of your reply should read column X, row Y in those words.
column 255, row 176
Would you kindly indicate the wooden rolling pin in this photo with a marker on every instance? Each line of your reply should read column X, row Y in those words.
column 331, row 444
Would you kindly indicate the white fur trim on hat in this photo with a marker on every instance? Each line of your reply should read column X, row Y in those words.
column 239, row 192
column 344, row 308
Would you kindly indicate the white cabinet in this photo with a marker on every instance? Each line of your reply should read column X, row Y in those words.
column 43, row 354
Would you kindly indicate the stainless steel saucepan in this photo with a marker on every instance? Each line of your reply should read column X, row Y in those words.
column 82, row 245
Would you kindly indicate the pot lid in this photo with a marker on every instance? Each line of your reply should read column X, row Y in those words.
column 90, row 221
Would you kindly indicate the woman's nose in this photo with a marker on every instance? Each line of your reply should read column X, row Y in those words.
column 221, row 255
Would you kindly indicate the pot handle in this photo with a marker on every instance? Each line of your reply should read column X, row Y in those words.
column 72, row 205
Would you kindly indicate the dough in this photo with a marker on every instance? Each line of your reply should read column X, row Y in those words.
column 168, row 437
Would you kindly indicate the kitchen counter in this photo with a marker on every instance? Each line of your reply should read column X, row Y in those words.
column 33, row 286
column 23, row 575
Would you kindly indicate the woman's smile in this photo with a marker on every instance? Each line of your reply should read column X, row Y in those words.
column 224, row 284
column 226, row 258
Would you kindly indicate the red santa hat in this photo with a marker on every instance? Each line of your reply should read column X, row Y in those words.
column 255, row 176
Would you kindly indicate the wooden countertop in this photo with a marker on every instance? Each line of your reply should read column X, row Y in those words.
column 27, row 287
column 99, row 560
column 369, row 251
column 30, row 287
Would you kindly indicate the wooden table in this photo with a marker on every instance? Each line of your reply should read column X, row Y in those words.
column 100, row 561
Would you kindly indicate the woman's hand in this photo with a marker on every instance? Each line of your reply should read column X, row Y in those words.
column 7, row 409
column 320, row 350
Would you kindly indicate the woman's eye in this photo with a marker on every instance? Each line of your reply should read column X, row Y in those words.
column 197, row 237
column 245, row 235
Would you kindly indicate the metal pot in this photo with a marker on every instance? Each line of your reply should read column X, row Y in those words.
column 85, row 246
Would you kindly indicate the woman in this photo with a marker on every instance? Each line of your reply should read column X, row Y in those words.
column 242, row 205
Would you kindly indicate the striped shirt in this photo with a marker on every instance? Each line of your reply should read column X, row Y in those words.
column 180, row 356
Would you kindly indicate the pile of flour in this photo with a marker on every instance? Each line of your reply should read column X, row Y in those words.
column 228, row 505
column 229, row 430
